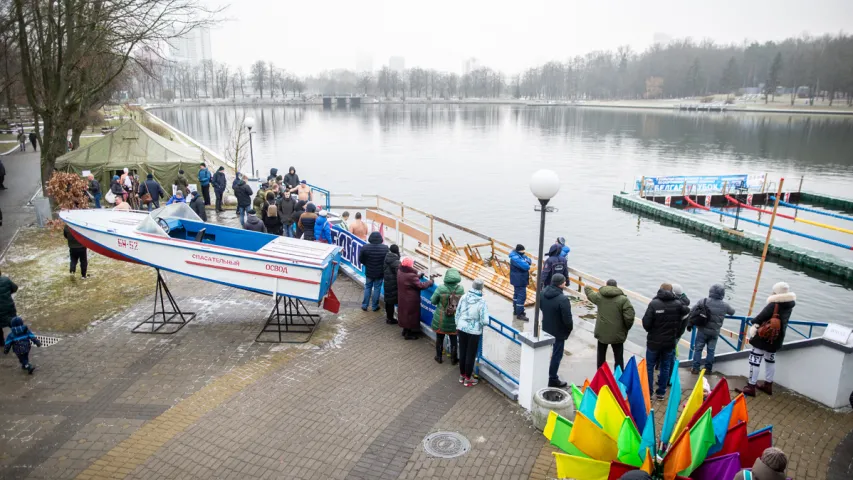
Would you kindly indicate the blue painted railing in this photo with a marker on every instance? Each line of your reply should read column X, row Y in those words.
column 507, row 332
column 326, row 194
column 744, row 321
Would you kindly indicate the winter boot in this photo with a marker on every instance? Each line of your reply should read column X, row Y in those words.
column 439, row 351
column 748, row 390
column 30, row 368
column 454, row 357
column 766, row 387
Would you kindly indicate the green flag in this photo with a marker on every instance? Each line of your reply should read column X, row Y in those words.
column 560, row 438
column 701, row 440
column 577, row 396
column 628, row 444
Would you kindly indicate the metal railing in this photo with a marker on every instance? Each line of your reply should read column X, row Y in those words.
column 741, row 340
column 500, row 349
column 327, row 196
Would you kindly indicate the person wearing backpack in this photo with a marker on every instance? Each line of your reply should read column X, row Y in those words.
column 446, row 300
column 772, row 322
column 707, row 318
column 556, row 263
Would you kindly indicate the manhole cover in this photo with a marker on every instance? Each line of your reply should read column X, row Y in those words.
column 446, row 444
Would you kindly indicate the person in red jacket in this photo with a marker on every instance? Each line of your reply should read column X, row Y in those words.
column 410, row 282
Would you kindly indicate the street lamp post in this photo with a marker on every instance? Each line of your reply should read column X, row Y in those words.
column 249, row 122
column 544, row 184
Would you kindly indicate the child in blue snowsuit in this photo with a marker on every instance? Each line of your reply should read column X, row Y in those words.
column 19, row 341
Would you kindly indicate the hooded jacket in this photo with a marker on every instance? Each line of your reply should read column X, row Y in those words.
column 7, row 304
column 472, row 313
column 286, row 206
column 615, row 315
column 291, row 179
column 441, row 322
column 70, row 238
column 554, row 264
column 409, row 287
column 323, row 229
column 664, row 321
column 273, row 174
column 254, row 223
column 197, row 204
column 389, row 273
column 556, row 312
column 115, row 187
column 219, row 181
column 273, row 222
column 786, row 303
column 307, row 221
column 21, row 335
column 298, row 211
column 372, row 256
column 243, row 192
column 519, row 269
column 204, row 177
column 718, row 310
column 183, row 184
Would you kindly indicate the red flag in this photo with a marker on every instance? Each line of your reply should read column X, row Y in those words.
column 735, row 442
column 331, row 302
column 618, row 469
column 756, row 443
column 605, row 377
column 717, row 399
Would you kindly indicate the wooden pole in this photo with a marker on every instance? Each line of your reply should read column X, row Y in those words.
column 800, row 188
column 763, row 255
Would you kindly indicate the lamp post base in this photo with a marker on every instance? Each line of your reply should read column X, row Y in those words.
column 535, row 360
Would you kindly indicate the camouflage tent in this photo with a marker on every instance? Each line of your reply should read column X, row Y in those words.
column 137, row 148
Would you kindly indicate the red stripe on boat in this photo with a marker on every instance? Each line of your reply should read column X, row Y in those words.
column 250, row 272
column 100, row 249
column 245, row 252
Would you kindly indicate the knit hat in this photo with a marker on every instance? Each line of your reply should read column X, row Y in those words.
column 310, row 208
column 250, row 211
column 519, row 248
column 115, row 177
column 220, row 169
column 477, row 285
column 303, row 182
column 407, row 262
column 677, row 290
column 558, row 279
column 323, row 213
column 561, row 240
column 394, row 249
column 150, row 176
column 771, row 465
column 781, row 287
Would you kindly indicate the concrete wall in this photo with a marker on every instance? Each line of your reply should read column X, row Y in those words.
column 815, row 368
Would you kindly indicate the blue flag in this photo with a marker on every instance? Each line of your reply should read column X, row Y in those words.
column 588, row 405
column 720, row 422
column 617, row 374
column 648, row 438
column 634, row 392
column 671, row 414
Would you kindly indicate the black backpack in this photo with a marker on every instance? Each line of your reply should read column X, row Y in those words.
column 700, row 314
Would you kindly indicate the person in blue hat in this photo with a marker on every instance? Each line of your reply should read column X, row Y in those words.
column 19, row 341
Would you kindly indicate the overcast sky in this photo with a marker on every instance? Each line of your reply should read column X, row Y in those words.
column 307, row 37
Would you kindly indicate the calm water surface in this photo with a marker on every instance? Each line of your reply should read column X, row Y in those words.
column 471, row 165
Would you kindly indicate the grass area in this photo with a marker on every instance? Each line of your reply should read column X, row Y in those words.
column 52, row 301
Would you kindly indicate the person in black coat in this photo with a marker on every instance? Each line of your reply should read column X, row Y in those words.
column 151, row 186
column 197, row 204
column 243, row 192
column 781, row 303
column 2, row 175
column 34, row 141
column 219, row 183
column 372, row 259
column 389, row 274
column 557, row 321
column 665, row 321
column 253, row 222
column 286, row 205
column 77, row 252
column 291, row 180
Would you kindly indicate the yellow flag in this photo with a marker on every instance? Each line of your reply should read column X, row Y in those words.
column 647, row 463
column 592, row 441
column 570, row 466
column 549, row 426
column 608, row 413
column 690, row 408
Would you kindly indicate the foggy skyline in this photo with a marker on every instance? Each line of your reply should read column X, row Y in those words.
column 443, row 34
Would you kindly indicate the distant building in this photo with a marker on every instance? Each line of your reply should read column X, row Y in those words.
column 397, row 63
column 364, row 62
column 470, row 65
column 193, row 48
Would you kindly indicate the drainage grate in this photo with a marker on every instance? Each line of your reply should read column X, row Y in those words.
column 446, row 444
column 47, row 341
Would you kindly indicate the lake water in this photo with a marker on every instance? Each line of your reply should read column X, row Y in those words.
column 471, row 165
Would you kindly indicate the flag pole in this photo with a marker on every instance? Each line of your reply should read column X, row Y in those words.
column 763, row 257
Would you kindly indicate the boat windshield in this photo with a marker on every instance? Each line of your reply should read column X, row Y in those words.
column 149, row 225
column 154, row 222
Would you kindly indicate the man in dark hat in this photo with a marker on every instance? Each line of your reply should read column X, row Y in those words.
column 556, row 321
column 519, row 277
column 219, row 184
column 150, row 186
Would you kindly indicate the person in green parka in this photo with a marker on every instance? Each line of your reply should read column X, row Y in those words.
column 446, row 299
column 183, row 184
column 615, row 317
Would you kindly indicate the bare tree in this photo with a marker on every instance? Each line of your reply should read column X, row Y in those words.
column 241, row 77
column 223, row 78
column 73, row 50
column 258, row 72
column 238, row 144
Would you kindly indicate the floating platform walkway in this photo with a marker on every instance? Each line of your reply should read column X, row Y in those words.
column 659, row 209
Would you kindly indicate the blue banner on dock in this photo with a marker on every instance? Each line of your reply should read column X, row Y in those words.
column 700, row 183
column 350, row 248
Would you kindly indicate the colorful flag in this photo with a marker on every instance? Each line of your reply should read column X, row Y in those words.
column 617, row 469
column 636, row 396
column 721, row 426
column 701, row 439
column 678, row 457
column 739, row 413
column 560, row 438
column 588, row 403
column 735, row 441
column 718, row 399
column 644, row 383
column 726, row 466
column 694, row 401
column 577, row 395
column 628, row 444
column 756, row 443
column 550, row 424
column 648, row 465
column 671, row 405
column 592, row 440
column 603, row 376
column 647, row 441
column 617, row 373
column 608, row 413
column 569, row 466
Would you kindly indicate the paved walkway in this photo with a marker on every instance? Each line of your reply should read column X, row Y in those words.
column 22, row 181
